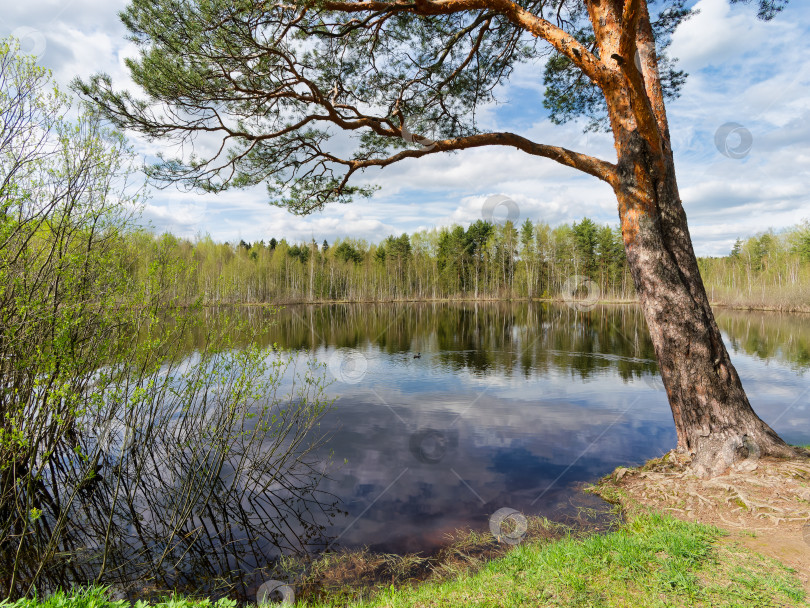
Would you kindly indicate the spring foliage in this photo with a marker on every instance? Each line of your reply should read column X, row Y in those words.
column 483, row 260
column 123, row 460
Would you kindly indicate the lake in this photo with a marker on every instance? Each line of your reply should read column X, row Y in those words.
column 447, row 412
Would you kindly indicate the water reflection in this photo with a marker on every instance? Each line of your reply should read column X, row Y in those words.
column 769, row 336
column 482, row 338
column 772, row 354
column 509, row 405
column 194, row 479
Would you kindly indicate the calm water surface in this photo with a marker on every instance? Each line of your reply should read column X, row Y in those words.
column 509, row 405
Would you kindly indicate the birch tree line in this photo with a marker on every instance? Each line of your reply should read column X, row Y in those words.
column 482, row 261
column 768, row 270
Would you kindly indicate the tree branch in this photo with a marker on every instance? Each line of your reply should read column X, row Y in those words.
column 563, row 42
column 588, row 164
column 641, row 106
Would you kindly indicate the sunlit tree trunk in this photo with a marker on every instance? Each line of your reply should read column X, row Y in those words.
column 712, row 415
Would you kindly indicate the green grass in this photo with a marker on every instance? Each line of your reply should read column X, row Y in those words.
column 652, row 561
column 98, row 597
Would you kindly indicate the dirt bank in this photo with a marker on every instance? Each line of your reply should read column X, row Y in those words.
column 763, row 504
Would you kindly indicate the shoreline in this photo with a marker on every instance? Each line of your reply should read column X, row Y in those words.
column 651, row 554
column 792, row 309
column 787, row 546
column 761, row 503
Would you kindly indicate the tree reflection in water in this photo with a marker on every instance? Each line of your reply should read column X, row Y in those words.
column 196, row 478
column 199, row 478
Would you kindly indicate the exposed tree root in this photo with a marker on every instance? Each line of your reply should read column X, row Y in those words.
column 764, row 502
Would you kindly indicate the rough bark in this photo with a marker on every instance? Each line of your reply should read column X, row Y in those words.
column 713, row 418
column 715, row 423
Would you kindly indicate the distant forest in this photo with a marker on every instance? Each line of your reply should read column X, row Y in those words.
column 483, row 261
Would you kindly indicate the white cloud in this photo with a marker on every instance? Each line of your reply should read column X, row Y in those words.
column 717, row 35
column 741, row 70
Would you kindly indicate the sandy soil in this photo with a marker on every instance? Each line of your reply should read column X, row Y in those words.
column 763, row 504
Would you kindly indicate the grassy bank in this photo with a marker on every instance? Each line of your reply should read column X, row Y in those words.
column 652, row 560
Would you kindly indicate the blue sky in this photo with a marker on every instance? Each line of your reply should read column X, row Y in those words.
column 742, row 71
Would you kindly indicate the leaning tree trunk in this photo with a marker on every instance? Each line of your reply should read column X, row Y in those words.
column 714, row 420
